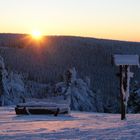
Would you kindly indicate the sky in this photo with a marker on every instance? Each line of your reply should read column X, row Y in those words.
column 111, row 19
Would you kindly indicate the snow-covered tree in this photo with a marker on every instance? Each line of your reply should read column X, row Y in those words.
column 77, row 92
column 11, row 86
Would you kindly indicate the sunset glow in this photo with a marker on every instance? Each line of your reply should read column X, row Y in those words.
column 36, row 35
column 111, row 19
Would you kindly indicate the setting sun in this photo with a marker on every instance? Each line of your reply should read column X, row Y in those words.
column 36, row 34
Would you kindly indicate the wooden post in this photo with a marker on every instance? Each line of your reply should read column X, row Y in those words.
column 122, row 83
column 124, row 62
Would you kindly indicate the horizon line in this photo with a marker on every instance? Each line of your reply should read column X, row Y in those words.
column 92, row 37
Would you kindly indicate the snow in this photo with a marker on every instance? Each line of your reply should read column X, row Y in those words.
column 77, row 92
column 129, row 76
column 12, row 86
column 53, row 106
column 126, row 60
column 77, row 125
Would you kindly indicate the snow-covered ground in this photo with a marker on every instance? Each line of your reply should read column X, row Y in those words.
column 77, row 125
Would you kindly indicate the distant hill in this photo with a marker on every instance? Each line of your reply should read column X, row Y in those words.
column 91, row 57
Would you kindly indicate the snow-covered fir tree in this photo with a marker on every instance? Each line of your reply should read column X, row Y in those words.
column 12, row 88
column 77, row 92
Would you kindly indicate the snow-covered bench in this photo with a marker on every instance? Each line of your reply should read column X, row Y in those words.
column 43, row 107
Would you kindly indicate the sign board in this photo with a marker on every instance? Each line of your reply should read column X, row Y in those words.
column 124, row 62
column 120, row 59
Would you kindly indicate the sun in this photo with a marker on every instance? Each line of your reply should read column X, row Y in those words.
column 36, row 35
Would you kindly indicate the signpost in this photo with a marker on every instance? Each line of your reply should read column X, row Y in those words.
column 124, row 62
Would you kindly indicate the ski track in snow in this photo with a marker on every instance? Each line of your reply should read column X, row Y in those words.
column 77, row 125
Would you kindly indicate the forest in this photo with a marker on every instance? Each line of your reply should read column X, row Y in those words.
column 47, row 62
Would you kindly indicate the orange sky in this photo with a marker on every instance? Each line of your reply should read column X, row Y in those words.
column 111, row 19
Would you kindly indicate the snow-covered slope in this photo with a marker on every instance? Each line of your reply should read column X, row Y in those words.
column 84, row 126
